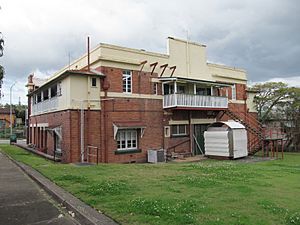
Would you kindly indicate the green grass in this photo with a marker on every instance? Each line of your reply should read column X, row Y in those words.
column 207, row 192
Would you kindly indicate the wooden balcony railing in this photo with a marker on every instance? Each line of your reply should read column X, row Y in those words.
column 194, row 101
column 45, row 106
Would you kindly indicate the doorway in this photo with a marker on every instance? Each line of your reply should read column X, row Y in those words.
column 199, row 138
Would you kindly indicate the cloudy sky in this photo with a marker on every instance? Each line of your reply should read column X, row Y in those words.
column 262, row 37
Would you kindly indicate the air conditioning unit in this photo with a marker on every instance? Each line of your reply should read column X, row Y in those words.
column 155, row 156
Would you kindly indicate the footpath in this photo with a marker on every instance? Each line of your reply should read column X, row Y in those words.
column 28, row 198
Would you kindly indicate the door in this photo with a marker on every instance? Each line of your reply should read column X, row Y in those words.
column 199, row 138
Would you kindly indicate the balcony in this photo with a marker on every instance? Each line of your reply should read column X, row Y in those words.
column 194, row 101
column 45, row 106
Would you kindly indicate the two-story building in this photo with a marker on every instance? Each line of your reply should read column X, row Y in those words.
column 122, row 102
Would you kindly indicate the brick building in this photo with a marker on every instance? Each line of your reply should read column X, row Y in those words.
column 123, row 102
column 5, row 118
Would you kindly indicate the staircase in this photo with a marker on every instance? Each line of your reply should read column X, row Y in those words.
column 253, row 126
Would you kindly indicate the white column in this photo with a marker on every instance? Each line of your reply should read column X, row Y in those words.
column 175, row 92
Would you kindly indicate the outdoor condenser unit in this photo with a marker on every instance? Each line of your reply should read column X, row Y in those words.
column 155, row 156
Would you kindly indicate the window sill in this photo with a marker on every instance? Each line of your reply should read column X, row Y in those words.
column 129, row 151
column 179, row 135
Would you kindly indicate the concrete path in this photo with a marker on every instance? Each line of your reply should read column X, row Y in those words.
column 23, row 202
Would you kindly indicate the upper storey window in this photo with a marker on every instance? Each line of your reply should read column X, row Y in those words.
column 233, row 89
column 127, row 81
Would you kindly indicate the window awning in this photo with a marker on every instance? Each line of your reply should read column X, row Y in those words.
column 56, row 130
column 128, row 125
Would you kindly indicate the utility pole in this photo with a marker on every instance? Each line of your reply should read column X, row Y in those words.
column 10, row 111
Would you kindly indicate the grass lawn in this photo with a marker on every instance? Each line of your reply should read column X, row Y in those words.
column 207, row 192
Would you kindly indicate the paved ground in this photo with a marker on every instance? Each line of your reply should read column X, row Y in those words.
column 23, row 202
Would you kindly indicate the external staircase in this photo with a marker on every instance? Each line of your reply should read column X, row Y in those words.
column 252, row 125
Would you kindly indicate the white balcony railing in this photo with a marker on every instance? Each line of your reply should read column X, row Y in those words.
column 194, row 101
column 45, row 106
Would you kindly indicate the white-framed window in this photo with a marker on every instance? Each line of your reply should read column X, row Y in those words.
column 59, row 88
column 94, row 82
column 127, row 81
column 180, row 89
column 39, row 97
column 53, row 91
column 233, row 92
column 127, row 139
column 45, row 94
column 155, row 88
column 179, row 130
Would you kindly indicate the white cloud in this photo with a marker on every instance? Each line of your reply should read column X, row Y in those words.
column 262, row 38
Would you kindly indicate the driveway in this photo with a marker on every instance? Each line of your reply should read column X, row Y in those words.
column 23, row 202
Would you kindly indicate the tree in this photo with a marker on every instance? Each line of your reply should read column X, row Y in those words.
column 20, row 111
column 277, row 101
column 270, row 95
column 1, row 67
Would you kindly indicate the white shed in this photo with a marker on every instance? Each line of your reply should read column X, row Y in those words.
column 226, row 139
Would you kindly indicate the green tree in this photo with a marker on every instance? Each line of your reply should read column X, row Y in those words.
column 1, row 45
column 20, row 111
column 1, row 67
column 270, row 95
column 277, row 101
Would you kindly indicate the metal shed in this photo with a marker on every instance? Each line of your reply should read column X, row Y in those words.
column 226, row 139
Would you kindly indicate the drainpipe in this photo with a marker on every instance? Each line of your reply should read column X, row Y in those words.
column 191, row 133
column 82, row 132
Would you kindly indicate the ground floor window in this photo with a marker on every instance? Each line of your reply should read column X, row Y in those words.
column 57, row 143
column 179, row 130
column 127, row 139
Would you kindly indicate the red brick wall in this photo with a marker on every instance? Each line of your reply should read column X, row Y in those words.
column 140, row 83
column 145, row 111
column 99, row 123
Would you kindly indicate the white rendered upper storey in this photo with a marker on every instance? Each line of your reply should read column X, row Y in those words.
column 73, row 92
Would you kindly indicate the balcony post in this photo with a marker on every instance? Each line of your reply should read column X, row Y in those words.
column 175, row 92
column 195, row 89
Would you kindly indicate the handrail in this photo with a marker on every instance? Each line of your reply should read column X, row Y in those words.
column 176, row 145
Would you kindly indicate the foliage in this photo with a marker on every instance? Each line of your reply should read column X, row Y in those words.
column 2, row 72
column 207, row 192
column 1, row 45
column 270, row 94
column 277, row 101
column 1, row 67
column 19, row 110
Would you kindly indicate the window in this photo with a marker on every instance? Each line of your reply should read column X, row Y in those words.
column 233, row 89
column 57, row 143
column 46, row 94
column 94, row 82
column 39, row 97
column 203, row 91
column 179, row 130
column 59, row 88
column 34, row 99
column 127, row 139
column 53, row 91
column 127, row 81
column 168, row 89
column 180, row 89
column 155, row 88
